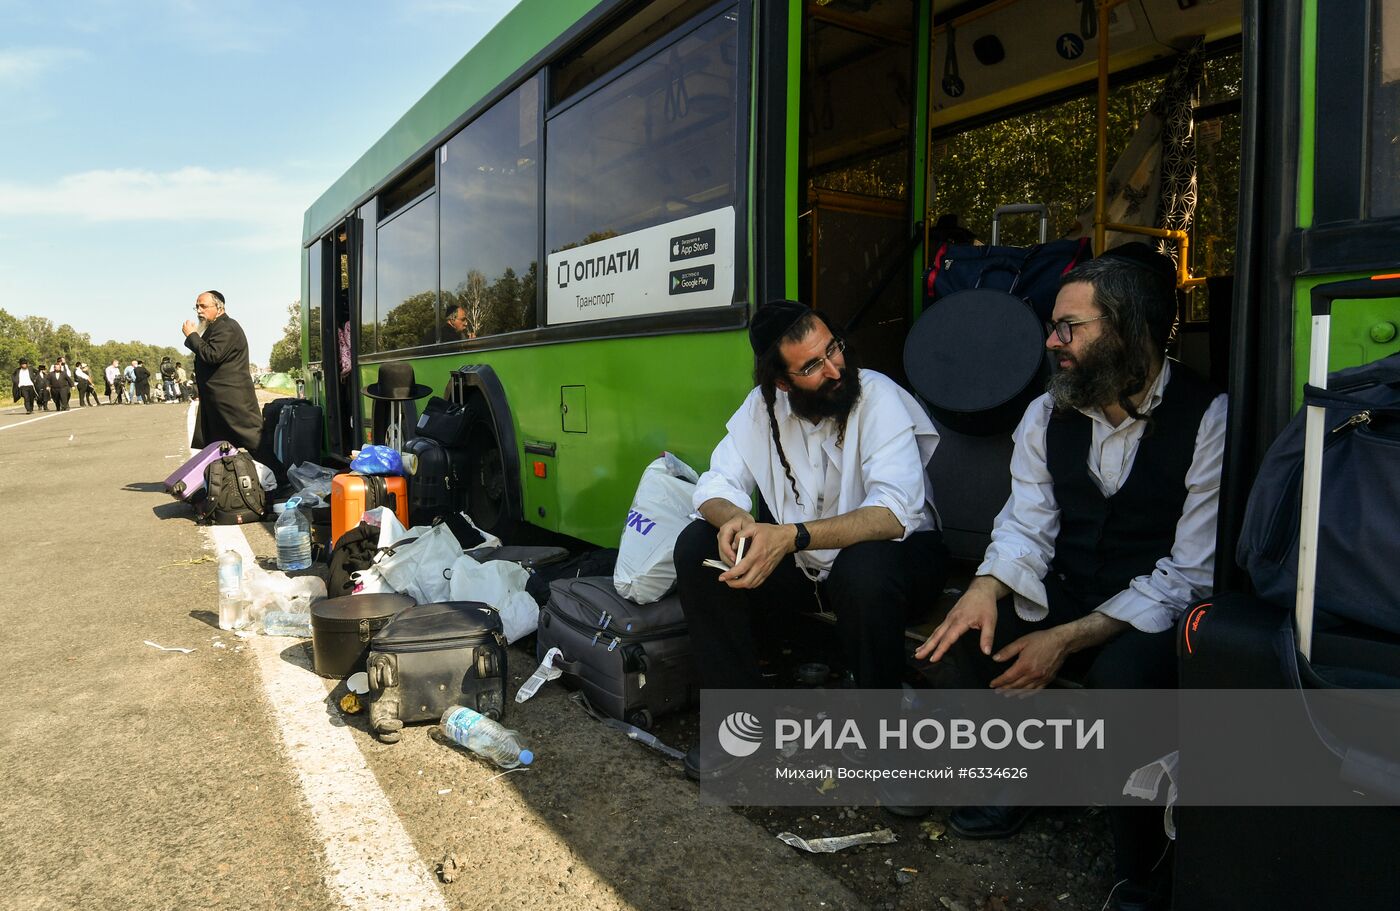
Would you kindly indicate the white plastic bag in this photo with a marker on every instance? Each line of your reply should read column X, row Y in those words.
column 661, row 509
column 501, row 584
column 312, row 482
column 417, row 565
column 266, row 478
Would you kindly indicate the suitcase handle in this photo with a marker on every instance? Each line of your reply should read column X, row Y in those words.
column 1322, row 298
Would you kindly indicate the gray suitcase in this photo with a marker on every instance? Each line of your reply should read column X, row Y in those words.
column 632, row 661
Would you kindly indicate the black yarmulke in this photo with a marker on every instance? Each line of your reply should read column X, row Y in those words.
column 771, row 321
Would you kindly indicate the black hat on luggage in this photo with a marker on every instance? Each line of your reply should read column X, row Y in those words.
column 772, row 321
column 396, row 384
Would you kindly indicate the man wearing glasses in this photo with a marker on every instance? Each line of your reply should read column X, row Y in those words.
column 228, row 405
column 1109, row 533
column 837, row 457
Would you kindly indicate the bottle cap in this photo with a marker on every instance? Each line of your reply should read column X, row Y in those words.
column 526, row 757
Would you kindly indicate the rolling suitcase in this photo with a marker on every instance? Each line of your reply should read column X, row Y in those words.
column 352, row 494
column 436, row 490
column 266, row 452
column 432, row 656
column 632, row 661
column 188, row 479
column 297, row 437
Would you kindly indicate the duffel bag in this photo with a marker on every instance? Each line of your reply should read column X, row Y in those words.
column 1358, row 543
column 432, row 656
column 1032, row 274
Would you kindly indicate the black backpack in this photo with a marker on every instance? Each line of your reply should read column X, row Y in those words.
column 354, row 552
column 233, row 495
column 167, row 370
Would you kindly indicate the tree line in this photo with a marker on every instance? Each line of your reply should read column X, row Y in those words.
column 36, row 339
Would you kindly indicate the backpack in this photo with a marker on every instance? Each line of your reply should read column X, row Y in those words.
column 353, row 553
column 167, row 370
column 233, row 495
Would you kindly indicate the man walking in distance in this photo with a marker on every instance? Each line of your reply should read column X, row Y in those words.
column 1109, row 533
column 60, row 386
column 182, row 380
column 129, row 382
column 41, row 386
column 84, row 381
column 837, row 457
column 23, row 386
column 143, row 382
column 228, row 405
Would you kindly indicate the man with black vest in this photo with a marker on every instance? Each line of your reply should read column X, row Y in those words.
column 1109, row 533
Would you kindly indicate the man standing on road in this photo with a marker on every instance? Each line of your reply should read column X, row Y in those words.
column 143, row 383
column 84, row 381
column 41, row 386
column 129, row 382
column 182, row 380
column 60, row 385
column 23, row 386
column 1109, row 533
column 228, row 405
column 112, row 375
column 837, row 456
column 167, row 380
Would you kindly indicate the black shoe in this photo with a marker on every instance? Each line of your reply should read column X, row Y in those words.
column 1132, row 898
column 989, row 821
column 708, row 764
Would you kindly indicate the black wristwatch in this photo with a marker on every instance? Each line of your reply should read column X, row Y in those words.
column 803, row 539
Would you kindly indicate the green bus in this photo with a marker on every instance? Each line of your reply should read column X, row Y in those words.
column 586, row 208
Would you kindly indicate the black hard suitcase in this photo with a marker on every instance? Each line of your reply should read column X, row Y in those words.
column 432, row 656
column 266, row 452
column 341, row 630
column 437, row 489
column 297, row 438
column 632, row 661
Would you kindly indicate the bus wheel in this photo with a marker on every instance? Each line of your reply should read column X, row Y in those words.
column 488, row 499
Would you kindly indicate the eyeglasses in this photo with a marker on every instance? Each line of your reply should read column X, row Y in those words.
column 1064, row 328
column 836, row 347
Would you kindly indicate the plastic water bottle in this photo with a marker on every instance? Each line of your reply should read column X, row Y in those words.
column 231, row 600
column 287, row 623
column 293, row 531
column 486, row 738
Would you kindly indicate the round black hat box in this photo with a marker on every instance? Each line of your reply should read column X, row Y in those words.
column 977, row 357
column 341, row 629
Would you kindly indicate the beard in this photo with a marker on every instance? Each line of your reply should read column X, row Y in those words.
column 1096, row 379
column 832, row 399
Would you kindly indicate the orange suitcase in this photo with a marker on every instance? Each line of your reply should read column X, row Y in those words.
column 353, row 493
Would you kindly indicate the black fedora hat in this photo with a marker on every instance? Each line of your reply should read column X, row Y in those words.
column 396, row 384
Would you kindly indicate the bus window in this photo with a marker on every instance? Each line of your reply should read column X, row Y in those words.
column 655, row 145
column 1385, row 113
column 407, row 276
column 489, row 177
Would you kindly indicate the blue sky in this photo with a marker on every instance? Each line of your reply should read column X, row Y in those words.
column 150, row 149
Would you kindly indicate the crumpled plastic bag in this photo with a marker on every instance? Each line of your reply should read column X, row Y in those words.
column 381, row 460
column 266, row 478
column 312, row 482
column 501, row 584
column 277, row 591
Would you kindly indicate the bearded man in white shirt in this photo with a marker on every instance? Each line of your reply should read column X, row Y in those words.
column 836, row 455
column 1109, row 534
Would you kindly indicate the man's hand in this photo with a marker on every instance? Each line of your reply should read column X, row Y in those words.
column 189, row 326
column 976, row 609
column 729, row 535
column 768, row 546
column 1039, row 657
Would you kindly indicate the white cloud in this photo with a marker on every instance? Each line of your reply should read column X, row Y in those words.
column 21, row 64
column 268, row 205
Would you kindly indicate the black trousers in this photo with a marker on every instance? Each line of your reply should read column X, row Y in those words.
column 27, row 393
column 873, row 588
column 1133, row 660
column 60, row 397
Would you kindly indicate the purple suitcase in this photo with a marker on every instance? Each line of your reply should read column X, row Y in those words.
column 188, row 479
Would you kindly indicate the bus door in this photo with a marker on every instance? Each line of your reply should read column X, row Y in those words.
column 858, row 94
column 333, row 318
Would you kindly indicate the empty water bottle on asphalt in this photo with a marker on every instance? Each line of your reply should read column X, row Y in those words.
column 485, row 737
column 231, row 600
column 293, row 532
column 287, row 623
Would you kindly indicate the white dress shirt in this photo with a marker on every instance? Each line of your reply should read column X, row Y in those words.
column 1023, row 538
column 24, row 377
column 889, row 441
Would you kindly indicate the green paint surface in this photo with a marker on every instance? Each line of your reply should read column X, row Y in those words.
column 1350, row 343
column 644, row 395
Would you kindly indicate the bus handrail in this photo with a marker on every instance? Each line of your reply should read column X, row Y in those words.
column 1184, row 278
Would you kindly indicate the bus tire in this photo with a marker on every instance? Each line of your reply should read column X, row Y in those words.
column 487, row 483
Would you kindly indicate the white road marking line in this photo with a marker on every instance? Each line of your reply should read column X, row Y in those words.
column 346, row 802
column 32, row 420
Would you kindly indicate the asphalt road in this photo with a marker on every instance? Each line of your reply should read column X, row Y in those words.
column 136, row 778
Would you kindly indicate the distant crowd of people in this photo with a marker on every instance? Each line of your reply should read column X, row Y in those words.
column 42, row 385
